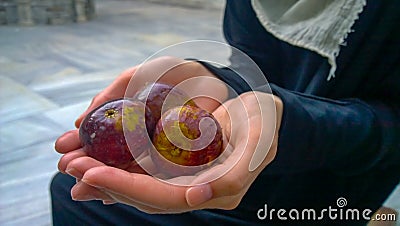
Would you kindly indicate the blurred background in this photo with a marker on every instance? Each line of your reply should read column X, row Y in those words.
column 55, row 55
column 54, row 61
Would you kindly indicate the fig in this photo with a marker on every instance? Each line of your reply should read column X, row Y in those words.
column 188, row 136
column 160, row 97
column 159, row 120
column 102, row 132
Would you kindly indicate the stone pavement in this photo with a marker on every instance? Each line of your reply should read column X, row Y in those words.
column 48, row 75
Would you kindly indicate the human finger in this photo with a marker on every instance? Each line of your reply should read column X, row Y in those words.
column 115, row 90
column 67, row 142
column 78, row 166
column 84, row 192
column 140, row 206
column 140, row 188
column 67, row 158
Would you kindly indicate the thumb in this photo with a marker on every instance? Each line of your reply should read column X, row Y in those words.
column 198, row 194
column 115, row 90
column 96, row 101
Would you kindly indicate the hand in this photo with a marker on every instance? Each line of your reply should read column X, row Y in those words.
column 96, row 181
column 165, row 69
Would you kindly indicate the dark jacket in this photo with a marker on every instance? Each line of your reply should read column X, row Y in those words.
column 339, row 138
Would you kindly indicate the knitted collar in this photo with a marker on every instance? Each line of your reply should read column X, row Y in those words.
column 318, row 25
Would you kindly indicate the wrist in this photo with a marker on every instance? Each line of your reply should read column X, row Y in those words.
column 207, row 90
column 211, row 82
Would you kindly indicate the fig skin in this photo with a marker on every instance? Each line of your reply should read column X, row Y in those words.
column 102, row 132
column 187, row 119
column 154, row 95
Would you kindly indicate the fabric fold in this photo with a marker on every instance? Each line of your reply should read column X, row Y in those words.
column 318, row 25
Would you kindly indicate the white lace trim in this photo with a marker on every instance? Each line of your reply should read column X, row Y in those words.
column 322, row 29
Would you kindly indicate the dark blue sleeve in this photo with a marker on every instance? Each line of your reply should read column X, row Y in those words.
column 350, row 124
column 348, row 136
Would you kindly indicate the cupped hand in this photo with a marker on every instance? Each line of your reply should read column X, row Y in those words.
column 164, row 69
column 251, row 124
column 169, row 70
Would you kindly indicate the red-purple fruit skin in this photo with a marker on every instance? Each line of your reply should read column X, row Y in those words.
column 102, row 132
column 154, row 96
column 188, row 119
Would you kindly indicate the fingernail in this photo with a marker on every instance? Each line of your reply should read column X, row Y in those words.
column 89, row 182
column 198, row 195
column 73, row 172
column 83, row 198
column 108, row 202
